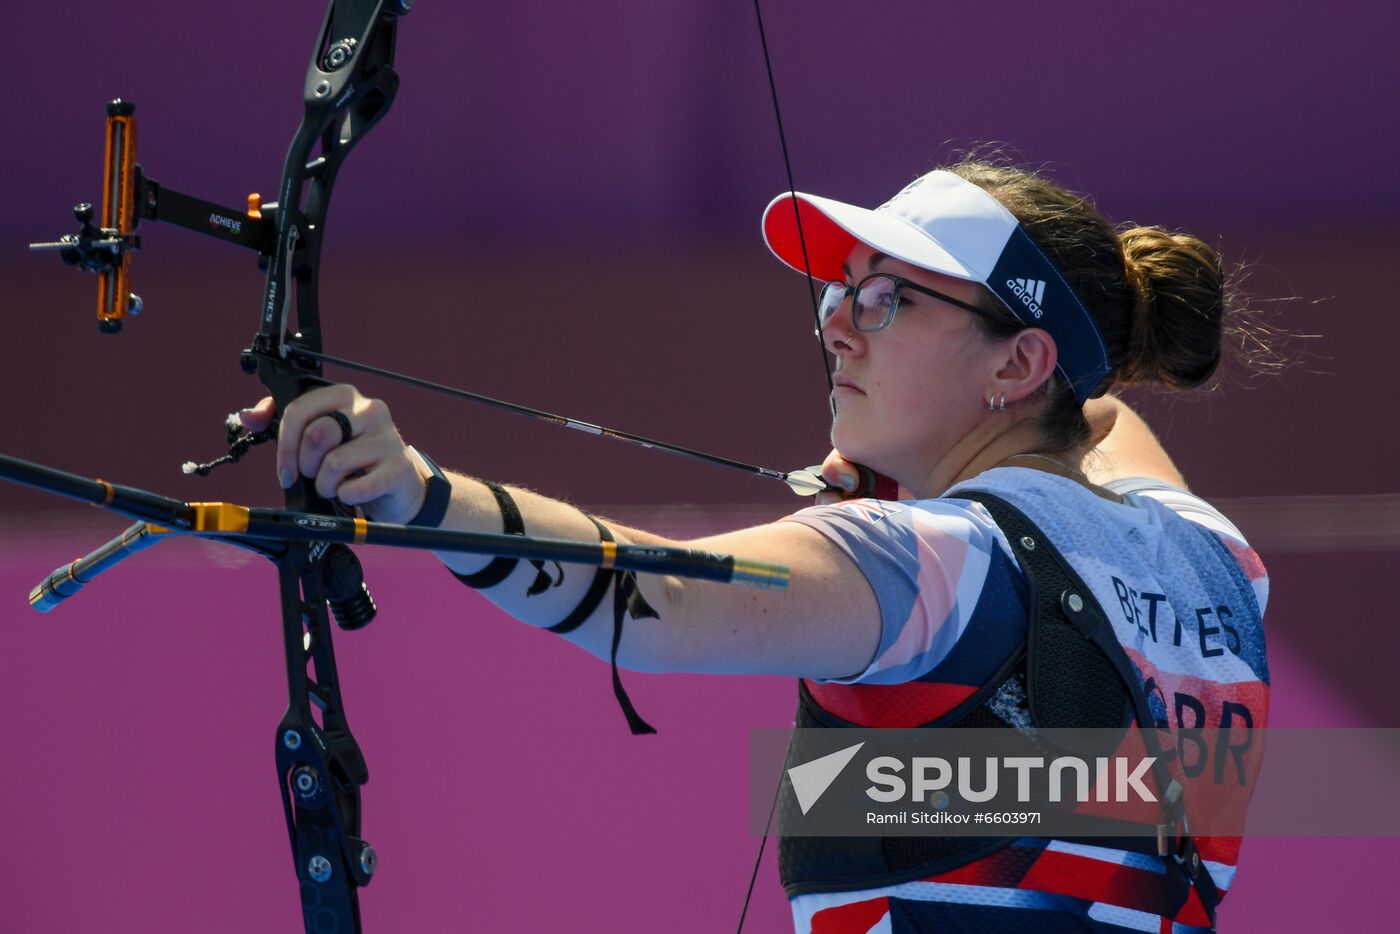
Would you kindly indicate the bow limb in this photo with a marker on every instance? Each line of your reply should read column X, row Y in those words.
column 349, row 87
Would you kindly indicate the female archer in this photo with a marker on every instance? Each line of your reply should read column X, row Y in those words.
column 979, row 321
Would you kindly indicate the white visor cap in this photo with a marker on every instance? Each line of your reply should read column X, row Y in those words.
column 947, row 225
column 939, row 222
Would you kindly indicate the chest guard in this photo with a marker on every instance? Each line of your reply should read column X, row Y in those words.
column 1076, row 676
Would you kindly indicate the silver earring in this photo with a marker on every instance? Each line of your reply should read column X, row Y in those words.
column 1002, row 406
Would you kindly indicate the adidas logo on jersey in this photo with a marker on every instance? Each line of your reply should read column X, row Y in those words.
column 1029, row 291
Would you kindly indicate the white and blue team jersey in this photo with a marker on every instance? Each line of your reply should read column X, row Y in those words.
column 1186, row 595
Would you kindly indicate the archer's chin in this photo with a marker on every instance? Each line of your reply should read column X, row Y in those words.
column 852, row 438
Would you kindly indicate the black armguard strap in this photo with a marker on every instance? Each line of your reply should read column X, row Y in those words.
column 627, row 599
column 437, row 498
column 596, row 591
column 499, row 569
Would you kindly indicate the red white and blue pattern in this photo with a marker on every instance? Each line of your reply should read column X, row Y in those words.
column 1187, row 600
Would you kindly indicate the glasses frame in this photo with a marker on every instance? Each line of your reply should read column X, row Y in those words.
column 900, row 283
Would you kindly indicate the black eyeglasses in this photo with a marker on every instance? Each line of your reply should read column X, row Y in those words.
column 877, row 299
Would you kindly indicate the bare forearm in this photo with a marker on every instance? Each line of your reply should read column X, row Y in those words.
column 825, row 624
column 559, row 589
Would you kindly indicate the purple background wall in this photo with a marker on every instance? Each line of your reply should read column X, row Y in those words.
column 562, row 209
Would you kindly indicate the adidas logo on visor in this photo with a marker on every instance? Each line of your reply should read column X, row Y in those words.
column 1029, row 291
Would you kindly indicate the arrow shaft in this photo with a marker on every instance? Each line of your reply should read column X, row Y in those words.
column 543, row 416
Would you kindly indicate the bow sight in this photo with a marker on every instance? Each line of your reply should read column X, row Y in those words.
column 129, row 197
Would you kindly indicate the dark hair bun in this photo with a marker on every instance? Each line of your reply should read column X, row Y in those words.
column 1178, row 321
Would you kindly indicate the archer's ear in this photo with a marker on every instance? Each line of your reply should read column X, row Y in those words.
column 1030, row 360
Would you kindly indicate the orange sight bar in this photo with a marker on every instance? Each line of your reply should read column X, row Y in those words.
column 118, row 212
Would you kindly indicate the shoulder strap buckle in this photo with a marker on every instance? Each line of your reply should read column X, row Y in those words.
column 1173, row 835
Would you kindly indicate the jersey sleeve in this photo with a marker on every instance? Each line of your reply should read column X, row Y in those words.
column 1194, row 509
column 926, row 562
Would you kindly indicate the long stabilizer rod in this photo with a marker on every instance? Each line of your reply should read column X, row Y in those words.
column 231, row 521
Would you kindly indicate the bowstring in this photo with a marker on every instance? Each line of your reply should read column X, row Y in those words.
column 777, row 792
column 792, row 194
column 826, row 367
